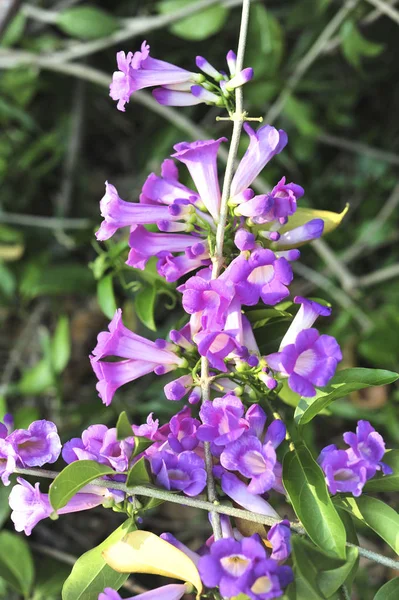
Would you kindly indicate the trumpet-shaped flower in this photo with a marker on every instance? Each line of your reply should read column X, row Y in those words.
column 184, row 472
column 222, row 420
column 173, row 591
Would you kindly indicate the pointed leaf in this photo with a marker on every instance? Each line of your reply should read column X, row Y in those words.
column 16, row 563
column 86, row 22
column 123, row 427
column 106, row 296
column 200, row 25
column 91, row 574
column 342, row 384
column 380, row 517
column 389, row 591
column 144, row 303
column 145, row 552
column 138, row 474
column 306, row 487
column 73, row 478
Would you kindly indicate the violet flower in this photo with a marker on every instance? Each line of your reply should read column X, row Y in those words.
column 299, row 235
column 185, row 472
column 265, row 143
column 222, row 420
column 307, row 314
column 200, row 158
column 138, row 71
column 230, row 563
column 143, row 356
column 167, row 188
column 182, row 434
column 268, row 580
column 173, row 267
column 178, row 388
column 342, row 475
column 8, row 460
column 280, row 203
column 368, row 446
column 29, row 505
column 261, row 276
column 209, row 298
column 238, row 491
column 310, row 361
column 37, row 445
column 218, row 345
column 280, row 538
column 148, row 430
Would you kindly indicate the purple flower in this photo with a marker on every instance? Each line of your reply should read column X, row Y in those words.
column 173, row 267
column 263, row 145
column 29, row 505
column 149, row 429
column 173, row 591
column 145, row 244
column 182, row 434
column 217, row 345
column 244, row 240
column 178, row 388
column 299, row 235
column 200, row 158
column 268, row 579
column 8, row 460
column 230, row 563
column 168, row 537
column 368, row 446
column 7, row 426
column 280, row 203
column 37, row 445
column 304, row 319
column 185, row 472
column 261, row 276
column 167, row 188
column 238, row 491
column 100, row 444
column 210, row 298
column 176, row 97
column 342, row 475
column 143, row 356
column 310, row 361
column 238, row 80
column 139, row 70
column 280, row 538
column 249, row 457
column 222, row 420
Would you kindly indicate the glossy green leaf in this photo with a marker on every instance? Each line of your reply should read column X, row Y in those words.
column 259, row 318
column 319, row 575
column 144, row 303
column 86, row 22
column 199, row 26
column 138, row 474
column 90, row 574
column 342, row 384
column 306, row 487
column 73, row 478
column 141, row 444
column 123, row 427
column 380, row 517
column 386, row 483
column 16, row 564
column 61, row 345
column 389, row 591
column 265, row 51
column 355, row 45
column 106, row 296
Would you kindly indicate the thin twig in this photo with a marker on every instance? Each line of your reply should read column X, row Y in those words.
column 345, row 592
column 358, row 148
column 375, row 557
column 378, row 276
column 44, row 222
column 337, row 266
column 387, row 9
column 309, row 59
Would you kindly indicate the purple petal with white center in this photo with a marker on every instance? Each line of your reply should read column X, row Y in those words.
column 304, row 319
column 38, row 445
column 238, row 491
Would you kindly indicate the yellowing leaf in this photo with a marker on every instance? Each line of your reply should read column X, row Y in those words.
column 304, row 215
column 145, row 552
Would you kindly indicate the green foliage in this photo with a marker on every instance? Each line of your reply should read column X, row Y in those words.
column 342, row 384
column 306, row 488
column 86, row 22
column 380, row 517
column 16, row 564
column 90, row 574
column 73, row 478
column 123, row 427
column 386, row 483
column 199, row 26
column 144, row 303
column 355, row 46
column 265, row 52
column 4, row 506
column 138, row 474
column 389, row 591
column 317, row 574
column 106, row 296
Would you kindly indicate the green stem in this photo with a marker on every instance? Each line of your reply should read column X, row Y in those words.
column 345, row 592
column 218, row 258
column 375, row 557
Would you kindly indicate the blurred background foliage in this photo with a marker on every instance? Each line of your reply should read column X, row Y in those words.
column 326, row 71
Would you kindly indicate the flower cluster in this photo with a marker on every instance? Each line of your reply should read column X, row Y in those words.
column 349, row 470
column 177, row 87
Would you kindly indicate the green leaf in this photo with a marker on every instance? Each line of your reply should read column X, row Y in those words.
column 37, row 379
column 199, row 26
column 50, row 578
column 306, row 487
column 342, row 384
column 14, row 31
column 123, row 427
column 73, row 478
column 259, row 318
column 380, row 517
column 389, row 591
column 144, row 302
column 320, row 575
column 138, row 474
column 16, row 564
column 386, row 483
column 265, row 51
column 54, row 280
column 355, row 46
column 4, row 506
column 61, row 345
column 300, row 113
column 106, row 296
column 90, row 574
column 7, row 281
column 141, row 444
column 87, row 22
